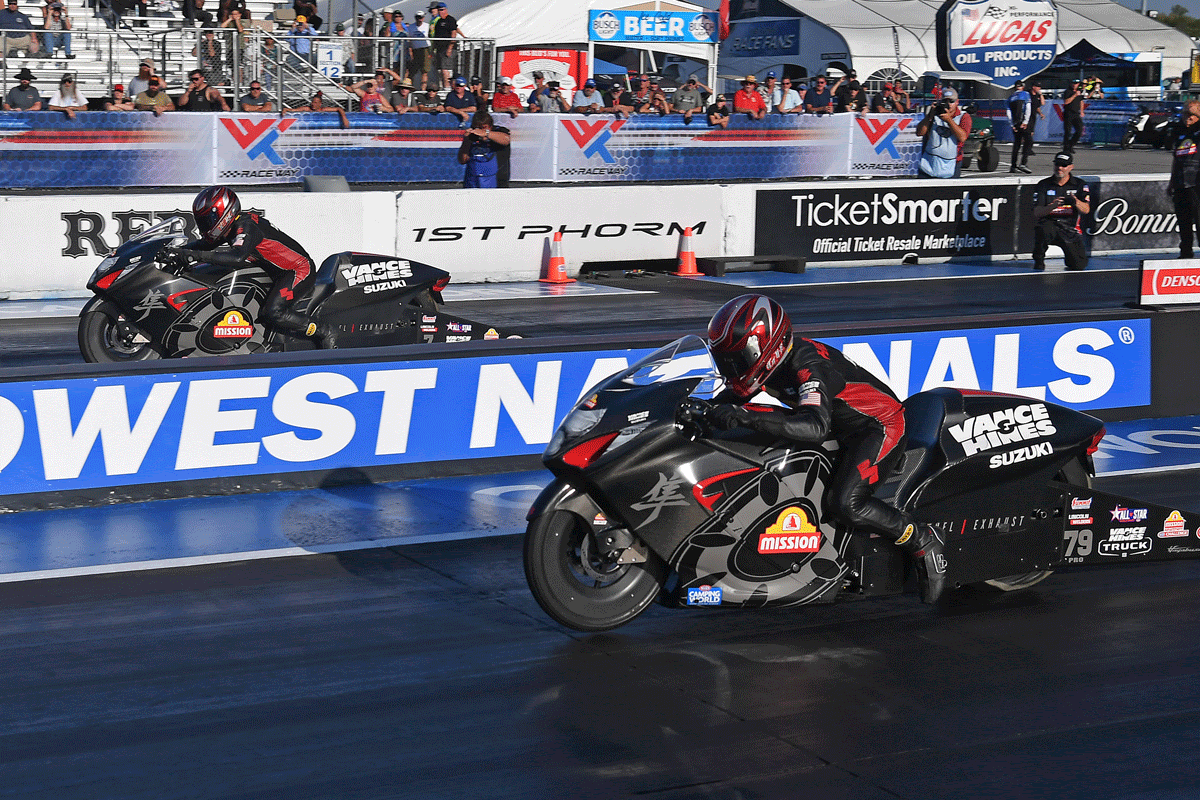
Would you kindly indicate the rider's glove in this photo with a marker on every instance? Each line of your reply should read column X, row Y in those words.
column 175, row 252
column 726, row 416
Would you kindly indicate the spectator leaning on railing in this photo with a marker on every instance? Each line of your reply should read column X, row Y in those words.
column 505, row 100
column 24, row 96
column 256, row 100
column 154, row 99
column 119, row 101
column 318, row 104
column 67, row 99
column 200, row 96
column 748, row 101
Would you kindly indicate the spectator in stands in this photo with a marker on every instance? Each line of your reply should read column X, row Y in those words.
column 366, row 45
column 539, row 88
column 403, row 99
column 140, row 82
column 767, row 90
column 400, row 53
column 1184, row 185
column 482, row 98
column 1072, row 116
column 24, row 96
column 154, row 99
column 819, row 100
column 369, row 98
column 587, row 100
column 688, row 99
column 505, row 100
column 445, row 27
column 553, row 101
column 1059, row 203
column 302, row 33
column 67, row 99
column 484, row 146
column 119, row 101
column 852, row 99
column 318, row 104
column 657, row 102
column 193, row 11
column 641, row 90
column 306, row 9
column 418, row 62
column 429, row 102
column 256, row 100
column 888, row 102
column 385, row 83
column 13, row 20
column 748, row 101
column 943, row 132
column 237, row 36
column 270, row 55
column 718, row 113
column 57, row 31
column 618, row 101
column 1020, row 113
column 225, row 9
column 460, row 102
column 1094, row 88
column 200, row 96
column 785, row 99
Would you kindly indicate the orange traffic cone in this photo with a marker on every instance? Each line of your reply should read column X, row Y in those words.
column 687, row 256
column 556, row 270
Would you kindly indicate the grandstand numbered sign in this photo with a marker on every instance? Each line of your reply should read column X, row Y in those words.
column 1007, row 40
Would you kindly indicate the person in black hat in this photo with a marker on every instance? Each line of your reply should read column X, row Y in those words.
column 618, row 101
column 1184, row 186
column 1072, row 117
column 1059, row 202
column 24, row 96
column 718, row 113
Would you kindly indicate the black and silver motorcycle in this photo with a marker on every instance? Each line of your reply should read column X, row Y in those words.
column 1155, row 128
column 151, row 305
column 650, row 504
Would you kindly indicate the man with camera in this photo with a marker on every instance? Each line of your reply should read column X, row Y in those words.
column 484, row 152
column 1058, row 204
column 942, row 133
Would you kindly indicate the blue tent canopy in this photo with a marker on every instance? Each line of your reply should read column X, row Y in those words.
column 608, row 68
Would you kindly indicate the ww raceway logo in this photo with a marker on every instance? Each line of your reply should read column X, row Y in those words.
column 882, row 133
column 592, row 137
column 257, row 137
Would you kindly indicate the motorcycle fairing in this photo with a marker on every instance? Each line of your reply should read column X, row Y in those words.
column 1102, row 528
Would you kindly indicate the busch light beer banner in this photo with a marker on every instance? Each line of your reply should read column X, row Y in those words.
column 678, row 27
column 1008, row 40
column 103, row 149
column 138, row 425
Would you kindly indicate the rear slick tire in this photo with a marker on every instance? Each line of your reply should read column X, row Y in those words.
column 574, row 587
column 1073, row 473
column 100, row 342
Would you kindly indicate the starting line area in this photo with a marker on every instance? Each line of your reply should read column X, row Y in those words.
column 188, row 532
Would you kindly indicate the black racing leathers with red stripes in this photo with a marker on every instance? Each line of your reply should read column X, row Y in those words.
column 253, row 241
column 829, row 396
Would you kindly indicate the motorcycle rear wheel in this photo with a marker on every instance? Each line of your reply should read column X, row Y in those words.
column 574, row 586
column 1073, row 473
column 100, row 341
column 1127, row 139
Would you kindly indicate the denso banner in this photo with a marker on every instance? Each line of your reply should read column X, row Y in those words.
column 937, row 220
column 111, row 428
column 1079, row 365
column 1167, row 283
column 1007, row 39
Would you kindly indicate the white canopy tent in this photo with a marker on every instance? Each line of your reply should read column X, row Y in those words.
column 864, row 30
column 564, row 24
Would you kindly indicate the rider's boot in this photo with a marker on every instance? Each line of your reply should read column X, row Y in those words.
column 928, row 552
column 321, row 334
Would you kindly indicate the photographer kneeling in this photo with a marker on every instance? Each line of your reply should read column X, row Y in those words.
column 943, row 132
column 1058, row 203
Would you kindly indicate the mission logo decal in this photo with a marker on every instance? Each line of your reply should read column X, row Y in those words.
column 791, row 533
column 233, row 326
column 1174, row 526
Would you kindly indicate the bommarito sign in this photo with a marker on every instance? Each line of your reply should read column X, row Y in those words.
column 886, row 224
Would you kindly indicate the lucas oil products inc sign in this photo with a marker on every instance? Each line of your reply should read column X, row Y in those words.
column 1009, row 40
column 885, row 224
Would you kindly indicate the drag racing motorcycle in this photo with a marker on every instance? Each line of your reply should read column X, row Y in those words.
column 649, row 503
column 1156, row 129
column 150, row 305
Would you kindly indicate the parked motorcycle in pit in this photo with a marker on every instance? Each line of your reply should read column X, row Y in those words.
column 148, row 305
column 1155, row 128
column 648, row 504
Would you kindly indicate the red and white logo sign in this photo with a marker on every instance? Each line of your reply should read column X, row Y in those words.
column 1174, row 525
column 233, row 326
column 1177, row 284
column 791, row 533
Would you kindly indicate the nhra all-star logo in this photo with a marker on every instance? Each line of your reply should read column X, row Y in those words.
column 257, row 137
column 882, row 133
column 592, row 136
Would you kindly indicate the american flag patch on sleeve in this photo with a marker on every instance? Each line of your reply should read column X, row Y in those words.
column 812, row 398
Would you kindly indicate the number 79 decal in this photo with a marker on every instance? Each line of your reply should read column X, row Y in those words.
column 1079, row 545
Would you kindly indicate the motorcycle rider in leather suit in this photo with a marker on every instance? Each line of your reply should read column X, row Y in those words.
column 825, row 396
column 254, row 241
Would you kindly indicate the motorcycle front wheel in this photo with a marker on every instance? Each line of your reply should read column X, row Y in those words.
column 1074, row 473
column 575, row 585
column 102, row 340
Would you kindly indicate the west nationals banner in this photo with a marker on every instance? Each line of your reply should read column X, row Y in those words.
column 1009, row 40
column 115, row 428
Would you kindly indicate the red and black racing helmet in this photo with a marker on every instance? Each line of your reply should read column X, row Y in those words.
column 749, row 336
column 214, row 210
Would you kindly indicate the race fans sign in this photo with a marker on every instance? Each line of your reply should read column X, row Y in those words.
column 886, row 224
column 1008, row 40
